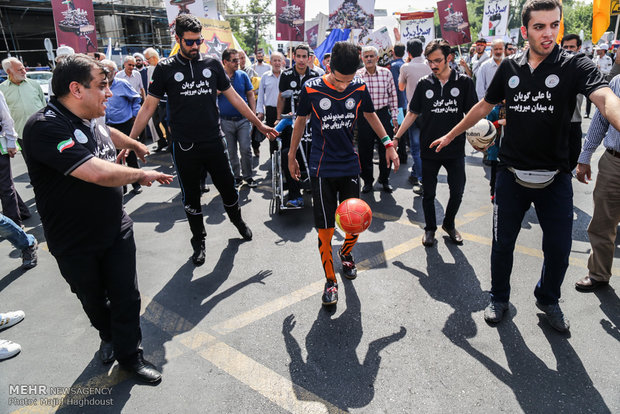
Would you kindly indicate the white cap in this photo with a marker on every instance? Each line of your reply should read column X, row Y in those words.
column 604, row 46
column 64, row 51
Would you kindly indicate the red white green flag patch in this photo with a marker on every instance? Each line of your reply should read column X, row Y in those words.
column 65, row 144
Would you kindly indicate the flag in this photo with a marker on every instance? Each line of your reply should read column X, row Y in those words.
column 108, row 51
column 601, row 10
column 558, row 39
column 326, row 47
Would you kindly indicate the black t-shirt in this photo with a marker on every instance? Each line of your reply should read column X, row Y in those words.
column 440, row 108
column 333, row 117
column 539, row 107
column 77, row 216
column 192, row 87
column 291, row 80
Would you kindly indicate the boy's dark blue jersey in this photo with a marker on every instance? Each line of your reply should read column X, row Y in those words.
column 333, row 116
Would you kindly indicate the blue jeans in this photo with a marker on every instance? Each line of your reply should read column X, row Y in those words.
column 13, row 233
column 414, row 145
column 554, row 209
column 238, row 135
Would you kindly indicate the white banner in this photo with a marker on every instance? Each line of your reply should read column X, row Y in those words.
column 382, row 41
column 514, row 35
column 417, row 24
column 495, row 18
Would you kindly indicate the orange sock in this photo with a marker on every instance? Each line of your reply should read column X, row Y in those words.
column 325, row 250
column 349, row 242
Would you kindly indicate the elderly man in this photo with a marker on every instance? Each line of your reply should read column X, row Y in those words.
column 159, row 116
column 131, row 75
column 489, row 67
column 267, row 104
column 380, row 83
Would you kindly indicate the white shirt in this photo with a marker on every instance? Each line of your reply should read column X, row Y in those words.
column 603, row 64
column 135, row 80
column 477, row 61
column 261, row 68
column 485, row 75
column 268, row 90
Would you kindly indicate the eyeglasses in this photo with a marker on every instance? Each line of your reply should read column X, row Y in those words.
column 191, row 42
column 234, row 60
column 435, row 61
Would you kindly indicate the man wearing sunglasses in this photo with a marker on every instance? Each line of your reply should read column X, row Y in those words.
column 192, row 80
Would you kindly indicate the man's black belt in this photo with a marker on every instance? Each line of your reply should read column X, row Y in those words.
column 614, row 152
column 232, row 118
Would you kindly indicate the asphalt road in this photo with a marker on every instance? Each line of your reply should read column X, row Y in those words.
column 246, row 332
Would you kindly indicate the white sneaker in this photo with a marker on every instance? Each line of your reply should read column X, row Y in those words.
column 8, row 349
column 9, row 319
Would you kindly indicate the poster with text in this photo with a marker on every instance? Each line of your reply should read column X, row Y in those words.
column 290, row 21
column 351, row 14
column 74, row 21
column 495, row 18
column 417, row 25
column 382, row 41
column 454, row 21
column 312, row 36
column 514, row 35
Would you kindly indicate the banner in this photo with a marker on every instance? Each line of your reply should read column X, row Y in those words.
column 312, row 36
column 176, row 8
column 351, row 14
column 495, row 18
column 419, row 25
column 290, row 20
column 74, row 21
column 382, row 41
column 514, row 35
column 454, row 21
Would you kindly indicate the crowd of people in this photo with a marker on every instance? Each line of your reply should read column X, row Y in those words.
column 211, row 115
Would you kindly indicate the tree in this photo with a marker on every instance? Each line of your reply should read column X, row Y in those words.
column 251, row 32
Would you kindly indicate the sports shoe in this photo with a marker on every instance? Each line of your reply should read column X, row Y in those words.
column 244, row 230
column 413, row 180
column 330, row 293
column 8, row 349
column 348, row 266
column 494, row 312
column 555, row 316
column 295, row 202
column 238, row 182
column 200, row 254
column 9, row 319
column 29, row 256
column 418, row 188
column 251, row 183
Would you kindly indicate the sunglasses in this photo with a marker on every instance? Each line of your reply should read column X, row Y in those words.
column 191, row 42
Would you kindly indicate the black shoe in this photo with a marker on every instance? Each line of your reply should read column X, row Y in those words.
column 251, row 183
column 388, row 188
column 428, row 239
column 367, row 188
column 418, row 188
column 200, row 253
column 330, row 293
column 204, row 189
column 137, row 190
column 494, row 312
column 244, row 230
column 143, row 369
column 454, row 234
column 106, row 352
column 413, row 180
column 555, row 316
column 238, row 182
column 348, row 266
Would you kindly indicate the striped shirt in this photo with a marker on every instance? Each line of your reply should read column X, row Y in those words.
column 382, row 89
column 601, row 130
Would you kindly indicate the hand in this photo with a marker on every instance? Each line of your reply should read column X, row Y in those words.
column 260, row 116
column 152, row 175
column 11, row 152
column 440, row 143
column 293, row 167
column 391, row 156
column 501, row 122
column 584, row 173
column 268, row 131
column 396, row 126
column 120, row 158
column 141, row 151
column 462, row 62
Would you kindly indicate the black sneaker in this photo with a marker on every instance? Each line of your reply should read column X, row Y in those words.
column 238, row 182
column 348, row 266
column 330, row 293
column 244, row 230
column 199, row 255
column 251, row 183
column 29, row 256
column 494, row 311
column 555, row 316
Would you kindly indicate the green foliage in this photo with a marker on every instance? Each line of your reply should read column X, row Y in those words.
column 249, row 30
column 578, row 16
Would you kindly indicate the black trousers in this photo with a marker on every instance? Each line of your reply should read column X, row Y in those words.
column 294, row 187
column 271, row 113
column 366, row 141
column 12, row 205
column 191, row 161
column 159, row 117
column 455, row 168
column 109, row 275
column 574, row 144
column 132, row 159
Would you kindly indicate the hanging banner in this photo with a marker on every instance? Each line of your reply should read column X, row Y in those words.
column 175, row 8
column 74, row 21
column 312, row 36
column 419, row 25
column 290, row 20
column 351, row 14
column 382, row 41
column 495, row 18
column 514, row 35
column 454, row 21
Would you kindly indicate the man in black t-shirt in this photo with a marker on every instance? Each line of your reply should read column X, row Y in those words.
column 77, row 186
column 540, row 88
column 192, row 80
column 440, row 101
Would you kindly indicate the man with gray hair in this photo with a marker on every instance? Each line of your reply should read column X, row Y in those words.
column 489, row 67
column 131, row 75
column 151, row 56
column 384, row 97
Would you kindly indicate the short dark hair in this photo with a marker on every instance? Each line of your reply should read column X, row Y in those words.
column 438, row 44
column 345, row 58
column 399, row 50
column 571, row 36
column 74, row 68
column 508, row 44
column 327, row 55
column 481, row 40
column 187, row 23
column 415, row 47
column 302, row 46
column 536, row 5
column 228, row 53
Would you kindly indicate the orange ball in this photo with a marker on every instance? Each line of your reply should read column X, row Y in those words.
column 353, row 216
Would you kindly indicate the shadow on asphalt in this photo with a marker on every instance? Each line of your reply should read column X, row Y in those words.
column 332, row 370
column 610, row 305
